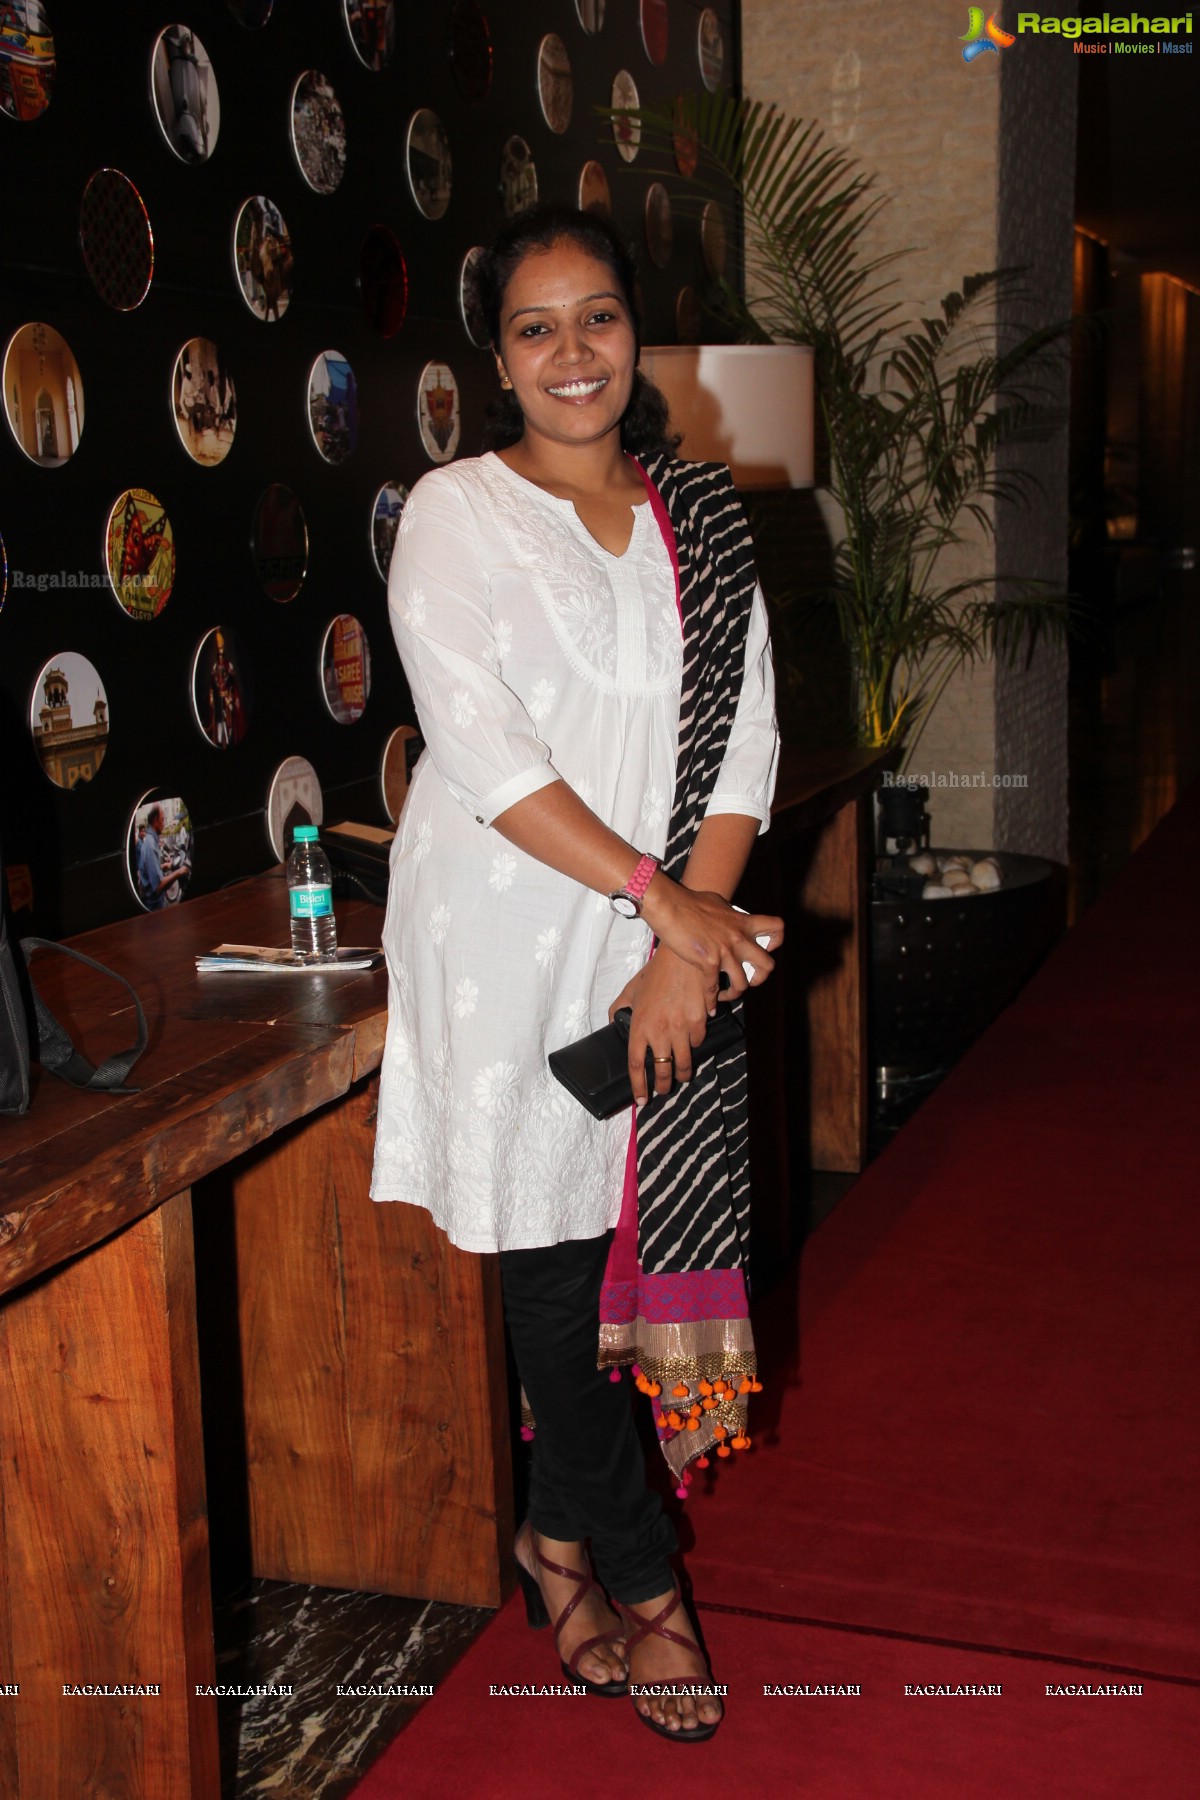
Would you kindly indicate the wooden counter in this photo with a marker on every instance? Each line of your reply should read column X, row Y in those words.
column 377, row 1435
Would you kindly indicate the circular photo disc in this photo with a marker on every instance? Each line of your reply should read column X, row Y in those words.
column 279, row 542
column 43, row 394
column 684, row 141
column 400, row 757
column 470, row 311
column 518, row 177
column 655, row 30
column 385, row 523
column 184, row 90
column 3, row 573
column 159, row 850
column 293, row 798
column 383, row 280
column 116, row 239
column 438, row 412
column 68, row 717
column 590, row 14
column 372, row 28
column 318, row 132
column 203, row 402
column 712, row 239
column 345, row 669
column 594, row 195
column 262, row 258
column 627, row 132
column 253, row 14
column 660, row 234
column 556, row 84
column 139, row 553
column 222, row 688
column 471, row 50
column 26, row 59
column 333, row 406
column 689, row 319
column 430, row 168
column 710, row 49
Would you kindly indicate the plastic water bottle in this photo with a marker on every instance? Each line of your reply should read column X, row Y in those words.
column 310, row 897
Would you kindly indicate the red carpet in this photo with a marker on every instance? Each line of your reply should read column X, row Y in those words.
column 979, row 1430
column 880, row 1745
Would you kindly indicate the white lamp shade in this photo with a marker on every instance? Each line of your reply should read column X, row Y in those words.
column 748, row 405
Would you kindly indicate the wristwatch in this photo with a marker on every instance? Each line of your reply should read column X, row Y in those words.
column 628, row 900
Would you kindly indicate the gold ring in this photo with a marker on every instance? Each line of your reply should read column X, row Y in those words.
column 659, row 1059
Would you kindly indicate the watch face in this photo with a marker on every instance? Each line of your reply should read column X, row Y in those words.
column 624, row 904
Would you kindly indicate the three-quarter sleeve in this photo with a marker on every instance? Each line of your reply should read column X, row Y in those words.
column 746, row 782
column 480, row 737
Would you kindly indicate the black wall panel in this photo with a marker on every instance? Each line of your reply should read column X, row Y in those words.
column 52, row 520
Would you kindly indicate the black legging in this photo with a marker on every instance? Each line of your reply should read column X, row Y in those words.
column 588, row 1478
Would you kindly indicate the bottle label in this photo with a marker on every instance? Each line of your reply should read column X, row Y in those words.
column 310, row 902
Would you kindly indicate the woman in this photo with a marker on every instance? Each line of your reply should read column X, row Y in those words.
column 594, row 779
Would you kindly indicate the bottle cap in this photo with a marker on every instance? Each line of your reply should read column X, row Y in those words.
column 304, row 834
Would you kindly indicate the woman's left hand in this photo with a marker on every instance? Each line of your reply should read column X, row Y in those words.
column 671, row 1001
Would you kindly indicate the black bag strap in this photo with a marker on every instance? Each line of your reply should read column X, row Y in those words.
column 56, row 1050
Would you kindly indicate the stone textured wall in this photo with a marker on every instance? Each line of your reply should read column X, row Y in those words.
column 1036, row 211
column 892, row 87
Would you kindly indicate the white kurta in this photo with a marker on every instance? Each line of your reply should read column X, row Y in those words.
column 533, row 654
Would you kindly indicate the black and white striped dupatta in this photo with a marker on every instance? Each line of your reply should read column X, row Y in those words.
column 678, row 1309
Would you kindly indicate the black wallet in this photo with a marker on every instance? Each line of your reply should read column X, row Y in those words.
column 595, row 1070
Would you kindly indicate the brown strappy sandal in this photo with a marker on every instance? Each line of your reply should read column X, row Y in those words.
column 638, row 1628
column 538, row 1617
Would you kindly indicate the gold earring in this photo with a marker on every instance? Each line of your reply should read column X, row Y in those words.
column 505, row 382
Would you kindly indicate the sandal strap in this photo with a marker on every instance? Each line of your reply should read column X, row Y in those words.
column 601, row 1637
column 584, row 1577
column 655, row 1627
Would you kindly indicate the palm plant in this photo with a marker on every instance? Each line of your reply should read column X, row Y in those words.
column 917, row 416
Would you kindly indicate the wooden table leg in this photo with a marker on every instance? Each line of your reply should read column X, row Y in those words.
column 834, row 888
column 373, row 1376
column 104, row 1555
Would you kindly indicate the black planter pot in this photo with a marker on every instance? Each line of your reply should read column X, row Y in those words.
column 942, row 969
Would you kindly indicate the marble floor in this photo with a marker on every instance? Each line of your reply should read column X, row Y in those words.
column 315, row 1640
column 1134, row 745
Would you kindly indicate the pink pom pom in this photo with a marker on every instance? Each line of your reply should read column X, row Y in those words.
column 527, row 1433
column 614, row 1374
column 681, row 1493
column 634, row 1370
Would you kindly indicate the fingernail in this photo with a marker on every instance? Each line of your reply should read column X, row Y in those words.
column 639, row 1102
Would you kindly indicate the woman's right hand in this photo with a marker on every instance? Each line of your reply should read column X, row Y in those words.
column 705, row 930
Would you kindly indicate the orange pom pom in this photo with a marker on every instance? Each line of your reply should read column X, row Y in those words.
column 720, row 1431
column 756, row 1387
column 680, row 1390
column 654, row 1388
column 695, row 1411
column 724, row 1450
column 743, row 1386
column 706, row 1387
column 642, row 1385
column 693, row 1424
column 708, row 1404
column 741, row 1442
column 702, row 1462
column 674, row 1420
column 660, row 1421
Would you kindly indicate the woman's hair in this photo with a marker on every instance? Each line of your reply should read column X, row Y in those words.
column 645, row 423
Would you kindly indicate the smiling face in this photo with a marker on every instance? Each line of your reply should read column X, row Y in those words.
column 567, row 344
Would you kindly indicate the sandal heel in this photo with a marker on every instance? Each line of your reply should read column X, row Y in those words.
column 535, row 1607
